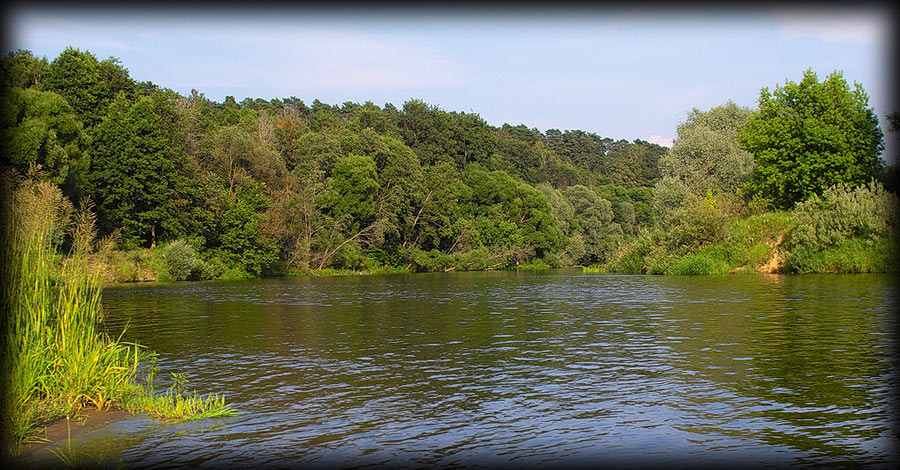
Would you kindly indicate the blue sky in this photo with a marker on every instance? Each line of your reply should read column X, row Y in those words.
column 625, row 74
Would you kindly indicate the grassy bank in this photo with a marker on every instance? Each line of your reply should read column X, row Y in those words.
column 846, row 230
column 753, row 244
column 55, row 359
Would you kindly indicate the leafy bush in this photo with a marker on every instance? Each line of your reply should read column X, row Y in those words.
column 855, row 255
column 700, row 221
column 867, row 211
column 753, row 241
column 841, row 222
column 182, row 261
column 645, row 254
column 348, row 256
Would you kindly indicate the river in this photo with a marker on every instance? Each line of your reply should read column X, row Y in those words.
column 488, row 369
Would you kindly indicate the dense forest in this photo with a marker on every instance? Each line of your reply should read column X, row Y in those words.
column 194, row 189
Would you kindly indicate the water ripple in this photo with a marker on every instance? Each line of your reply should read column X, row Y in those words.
column 487, row 369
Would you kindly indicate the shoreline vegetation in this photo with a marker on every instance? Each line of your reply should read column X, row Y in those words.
column 764, row 243
column 124, row 181
column 180, row 187
column 56, row 362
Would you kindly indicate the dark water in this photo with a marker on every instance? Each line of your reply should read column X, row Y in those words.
column 519, row 369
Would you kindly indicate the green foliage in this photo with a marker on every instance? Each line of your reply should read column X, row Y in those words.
column 695, row 198
column 593, row 221
column 809, row 136
column 140, row 177
column 89, row 85
column 509, row 213
column 867, row 214
column 697, row 222
column 476, row 259
column 182, row 260
column 706, row 153
column 266, row 187
column 745, row 245
column 442, row 195
column 353, row 189
column 669, row 195
column 39, row 127
column 239, row 155
column 645, row 254
column 696, row 263
column 21, row 69
column 55, row 358
column 138, row 264
column 241, row 245
column 620, row 162
column 852, row 255
column 752, row 242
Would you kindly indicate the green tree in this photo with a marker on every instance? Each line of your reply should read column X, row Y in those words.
column 20, row 69
column 809, row 136
column 241, row 155
column 354, row 187
column 401, row 193
column 434, row 224
column 706, row 158
column 241, row 244
column 594, row 222
column 89, row 85
column 349, row 201
column 39, row 127
column 140, row 177
column 510, row 214
column 706, row 154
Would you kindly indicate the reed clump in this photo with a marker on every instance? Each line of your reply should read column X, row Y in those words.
column 55, row 360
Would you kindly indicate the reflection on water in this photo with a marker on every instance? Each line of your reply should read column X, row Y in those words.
column 504, row 368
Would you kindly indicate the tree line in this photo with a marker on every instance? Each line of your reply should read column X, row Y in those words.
column 261, row 188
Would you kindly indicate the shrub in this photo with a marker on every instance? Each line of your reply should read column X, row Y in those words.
column 843, row 221
column 182, row 261
column 700, row 221
column 855, row 255
column 695, row 263
column 645, row 254
column 348, row 256
column 867, row 211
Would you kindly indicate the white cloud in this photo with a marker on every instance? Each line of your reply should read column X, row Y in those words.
column 660, row 140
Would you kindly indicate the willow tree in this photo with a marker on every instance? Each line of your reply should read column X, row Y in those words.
column 706, row 159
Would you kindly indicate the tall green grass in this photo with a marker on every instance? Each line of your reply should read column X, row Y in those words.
column 55, row 359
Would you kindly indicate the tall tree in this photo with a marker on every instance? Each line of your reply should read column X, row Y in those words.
column 89, row 85
column 140, row 177
column 706, row 154
column 809, row 136
column 594, row 221
column 20, row 69
column 39, row 127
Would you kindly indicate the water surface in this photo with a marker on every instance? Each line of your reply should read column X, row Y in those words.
column 519, row 369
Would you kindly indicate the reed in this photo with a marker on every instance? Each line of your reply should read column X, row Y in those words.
column 55, row 359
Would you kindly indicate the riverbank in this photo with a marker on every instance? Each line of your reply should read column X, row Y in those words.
column 56, row 361
column 59, row 431
column 846, row 230
column 733, row 256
